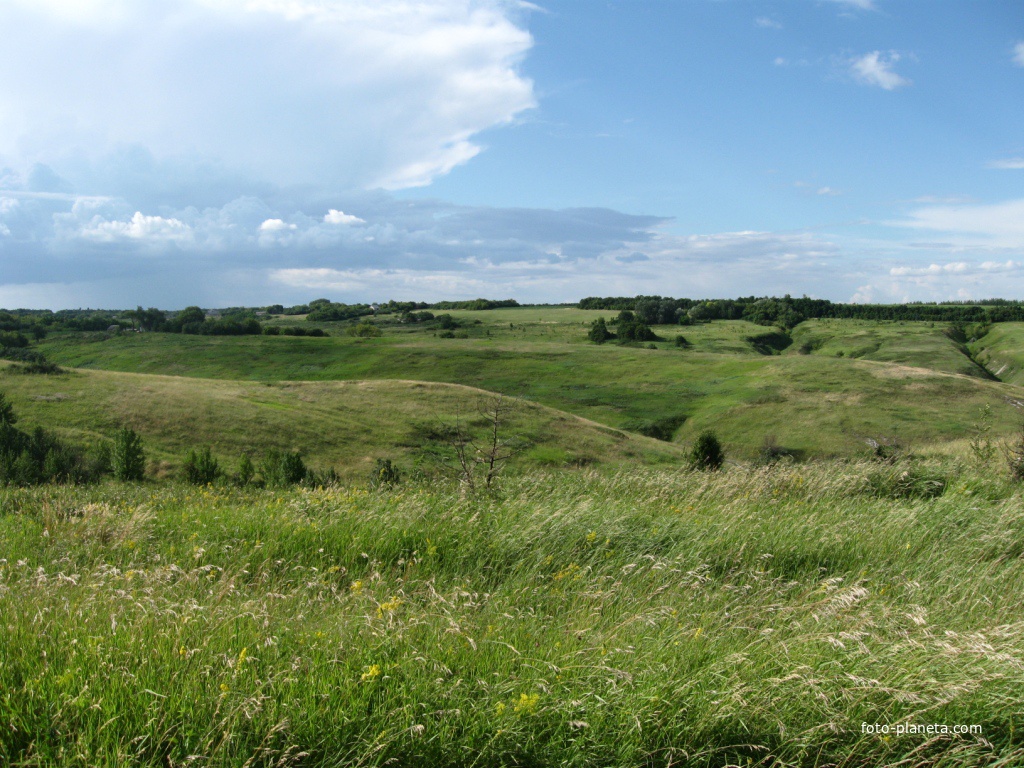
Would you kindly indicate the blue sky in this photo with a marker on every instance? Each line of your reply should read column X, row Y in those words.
column 227, row 152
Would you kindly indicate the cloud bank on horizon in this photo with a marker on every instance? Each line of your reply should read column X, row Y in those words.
column 255, row 151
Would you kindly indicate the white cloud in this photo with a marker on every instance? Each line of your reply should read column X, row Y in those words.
column 150, row 229
column 1018, row 55
column 828, row 192
column 957, row 268
column 992, row 225
column 876, row 68
column 352, row 93
column 340, row 217
column 767, row 23
column 1008, row 164
column 276, row 225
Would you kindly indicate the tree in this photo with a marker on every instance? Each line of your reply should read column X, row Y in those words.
column 706, row 453
column 246, row 471
column 6, row 411
column 127, row 457
column 488, row 454
column 190, row 315
column 599, row 332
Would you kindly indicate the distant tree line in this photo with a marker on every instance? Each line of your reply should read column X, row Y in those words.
column 787, row 312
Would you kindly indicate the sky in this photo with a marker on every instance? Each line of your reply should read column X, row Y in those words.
column 248, row 152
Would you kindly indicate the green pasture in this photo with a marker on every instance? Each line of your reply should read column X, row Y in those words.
column 648, row 618
column 813, row 404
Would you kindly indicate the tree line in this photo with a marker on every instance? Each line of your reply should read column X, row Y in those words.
column 787, row 312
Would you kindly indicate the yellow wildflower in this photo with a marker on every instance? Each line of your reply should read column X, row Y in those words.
column 372, row 673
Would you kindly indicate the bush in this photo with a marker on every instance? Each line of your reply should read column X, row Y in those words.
column 706, row 453
column 1014, row 453
column 246, row 470
column 385, row 474
column 127, row 457
column 282, row 468
column 599, row 332
column 200, row 467
column 324, row 478
column 36, row 457
column 364, row 330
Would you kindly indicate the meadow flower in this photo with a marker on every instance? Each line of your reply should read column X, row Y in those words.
column 527, row 704
column 372, row 673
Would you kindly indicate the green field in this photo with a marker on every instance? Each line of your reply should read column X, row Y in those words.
column 648, row 618
column 601, row 605
column 903, row 381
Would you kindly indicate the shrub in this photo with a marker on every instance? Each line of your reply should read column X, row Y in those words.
column 364, row 329
column 127, row 457
column 706, row 453
column 281, row 468
column 324, row 478
column 246, row 470
column 385, row 474
column 200, row 467
column 1014, row 453
column 599, row 332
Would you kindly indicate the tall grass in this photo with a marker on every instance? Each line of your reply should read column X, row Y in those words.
column 650, row 618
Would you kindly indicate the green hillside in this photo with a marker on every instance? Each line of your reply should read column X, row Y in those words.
column 1002, row 351
column 344, row 425
column 813, row 404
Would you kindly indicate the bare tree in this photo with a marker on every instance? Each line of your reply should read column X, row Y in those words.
column 480, row 460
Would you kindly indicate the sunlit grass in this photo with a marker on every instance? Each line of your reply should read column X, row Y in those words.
column 649, row 618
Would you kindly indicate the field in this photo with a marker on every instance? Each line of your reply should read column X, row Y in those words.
column 602, row 605
column 904, row 381
column 645, row 618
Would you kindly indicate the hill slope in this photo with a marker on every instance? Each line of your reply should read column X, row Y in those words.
column 345, row 425
column 814, row 404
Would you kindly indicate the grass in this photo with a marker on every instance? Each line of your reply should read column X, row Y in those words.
column 343, row 425
column 815, row 404
column 644, row 618
column 917, row 344
column 1002, row 351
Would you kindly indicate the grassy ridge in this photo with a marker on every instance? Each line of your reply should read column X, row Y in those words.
column 815, row 404
column 345, row 425
column 655, row 618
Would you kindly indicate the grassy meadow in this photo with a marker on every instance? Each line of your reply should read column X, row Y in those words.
column 602, row 605
column 642, row 618
column 342, row 425
column 903, row 381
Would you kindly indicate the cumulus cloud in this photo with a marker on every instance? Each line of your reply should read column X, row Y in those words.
column 355, row 93
column 767, row 23
column 876, row 68
column 139, row 227
column 1018, row 55
column 340, row 217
